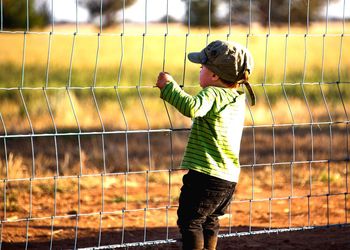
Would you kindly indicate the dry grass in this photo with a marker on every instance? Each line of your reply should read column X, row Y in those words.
column 142, row 70
column 110, row 50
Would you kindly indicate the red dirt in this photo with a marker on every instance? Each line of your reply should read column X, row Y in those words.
column 304, row 194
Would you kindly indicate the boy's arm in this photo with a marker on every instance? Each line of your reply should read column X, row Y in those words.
column 191, row 106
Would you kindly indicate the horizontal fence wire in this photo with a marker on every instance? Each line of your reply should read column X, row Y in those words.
column 90, row 156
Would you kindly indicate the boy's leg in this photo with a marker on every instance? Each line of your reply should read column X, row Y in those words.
column 201, row 196
column 189, row 221
column 192, row 240
column 211, row 226
column 210, row 240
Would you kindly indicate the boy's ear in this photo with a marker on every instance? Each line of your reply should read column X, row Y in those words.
column 215, row 77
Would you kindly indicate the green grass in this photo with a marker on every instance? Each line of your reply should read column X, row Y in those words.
column 136, row 61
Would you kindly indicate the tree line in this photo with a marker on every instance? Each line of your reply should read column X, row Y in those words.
column 31, row 13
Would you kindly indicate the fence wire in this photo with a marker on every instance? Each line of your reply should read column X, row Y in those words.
column 96, row 163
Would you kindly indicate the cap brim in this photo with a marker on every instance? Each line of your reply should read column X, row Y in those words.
column 194, row 57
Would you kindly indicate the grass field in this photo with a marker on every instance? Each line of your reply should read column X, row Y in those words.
column 132, row 59
column 143, row 56
column 149, row 50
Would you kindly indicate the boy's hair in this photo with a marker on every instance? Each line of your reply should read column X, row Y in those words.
column 242, row 81
column 239, row 82
column 230, row 61
column 226, row 82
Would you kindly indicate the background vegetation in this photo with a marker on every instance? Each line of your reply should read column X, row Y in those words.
column 109, row 61
column 24, row 15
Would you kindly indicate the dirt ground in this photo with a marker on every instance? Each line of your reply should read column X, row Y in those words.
column 331, row 238
column 301, row 194
column 328, row 238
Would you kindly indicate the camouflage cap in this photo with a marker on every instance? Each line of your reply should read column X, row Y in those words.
column 228, row 60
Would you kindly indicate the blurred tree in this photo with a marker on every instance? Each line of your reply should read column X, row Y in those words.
column 169, row 19
column 109, row 9
column 279, row 11
column 14, row 14
column 198, row 12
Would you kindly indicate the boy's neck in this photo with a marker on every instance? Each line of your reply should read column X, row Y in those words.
column 221, row 84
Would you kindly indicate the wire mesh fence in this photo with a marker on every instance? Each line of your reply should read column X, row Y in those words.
column 90, row 155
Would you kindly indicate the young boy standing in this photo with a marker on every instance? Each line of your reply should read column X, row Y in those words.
column 212, row 152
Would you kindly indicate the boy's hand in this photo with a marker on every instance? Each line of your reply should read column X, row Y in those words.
column 163, row 79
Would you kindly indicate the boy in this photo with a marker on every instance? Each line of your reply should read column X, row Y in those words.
column 212, row 152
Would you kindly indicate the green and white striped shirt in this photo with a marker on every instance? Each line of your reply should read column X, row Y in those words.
column 218, row 119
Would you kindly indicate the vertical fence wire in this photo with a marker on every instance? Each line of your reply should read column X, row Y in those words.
column 253, row 133
column 227, row 38
column 1, row 16
column 119, row 102
column 4, row 181
column 229, row 20
column 27, row 15
column 308, row 109
column 291, row 114
column 72, row 106
column 347, row 118
column 186, row 41
column 326, row 106
column 47, row 70
column 57, row 173
column 52, row 16
column 102, row 125
column 171, row 135
column 209, row 22
column 272, row 165
column 346, row 115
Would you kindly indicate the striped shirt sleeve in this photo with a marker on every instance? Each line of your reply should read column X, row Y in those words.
column 190, row 106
